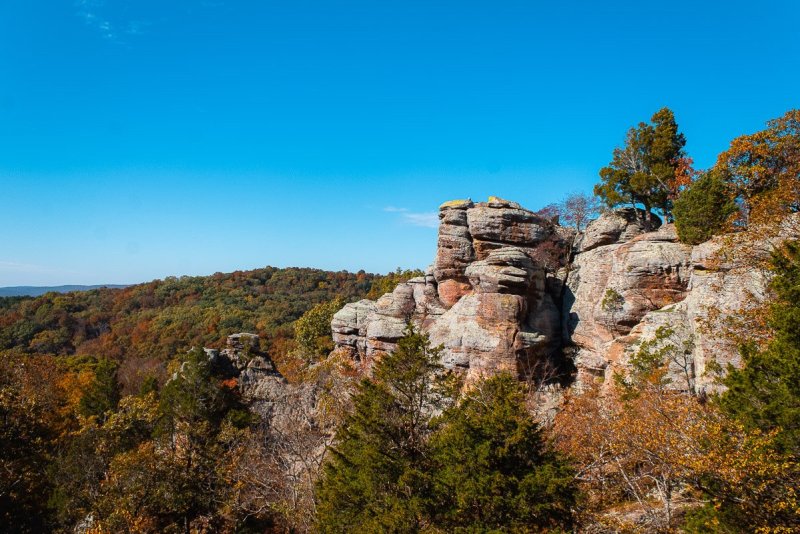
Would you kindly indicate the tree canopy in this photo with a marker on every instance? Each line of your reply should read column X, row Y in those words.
column 704, row 208
column 650, row 169
column 481, row 466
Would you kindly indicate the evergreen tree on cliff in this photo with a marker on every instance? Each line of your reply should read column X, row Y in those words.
column 704, row 208
column 650, row 169
column 493, row 472
column 377, row 479
column 481, row 466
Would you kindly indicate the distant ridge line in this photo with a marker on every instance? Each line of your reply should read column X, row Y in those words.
column 35, row 291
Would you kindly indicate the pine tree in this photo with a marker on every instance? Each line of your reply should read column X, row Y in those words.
column 376, row 480
column 649, row 169
column 103, row 393
column 703, row 209
column 493, row 472
column 191, row 410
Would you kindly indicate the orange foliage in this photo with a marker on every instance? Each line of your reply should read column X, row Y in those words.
column 664, row 451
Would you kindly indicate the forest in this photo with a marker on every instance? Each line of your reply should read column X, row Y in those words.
column 115, row 420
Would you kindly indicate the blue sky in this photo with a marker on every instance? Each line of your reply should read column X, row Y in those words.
column 141, row 138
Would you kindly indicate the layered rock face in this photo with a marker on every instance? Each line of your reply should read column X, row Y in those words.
column 491, row 297
column 615, row 280
column 512, row 291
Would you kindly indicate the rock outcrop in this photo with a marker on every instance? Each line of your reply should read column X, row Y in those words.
column 510, row 290
column 491, row 298
column 611, row 287
column 259, row 382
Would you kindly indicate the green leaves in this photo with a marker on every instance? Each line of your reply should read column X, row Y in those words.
column 765, row 394
column 491, row 469
column 480, row 465
column 312, row 331
column 649, row 169
column 704, row 208
column 376, row 479
column 102, row 395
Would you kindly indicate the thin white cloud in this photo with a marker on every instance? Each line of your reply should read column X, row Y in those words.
column 88, row 11
column 427, row 220
column 424, row 219
column 96, row 15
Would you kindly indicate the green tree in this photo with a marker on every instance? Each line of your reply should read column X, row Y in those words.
column 312, row 331
column 102, row 395
column 764, row 397
column 492, row 470
column 193, row 410
column 650, row 169
column 376, row 479
column 386, row 283
column 704, row 208
column 765, row 393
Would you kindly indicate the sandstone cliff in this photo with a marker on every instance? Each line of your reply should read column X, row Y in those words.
column 510, row 290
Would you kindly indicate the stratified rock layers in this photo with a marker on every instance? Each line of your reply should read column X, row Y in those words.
column 510, row 290
column 490, row 298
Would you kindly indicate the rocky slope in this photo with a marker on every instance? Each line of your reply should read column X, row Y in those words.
column 510, row 290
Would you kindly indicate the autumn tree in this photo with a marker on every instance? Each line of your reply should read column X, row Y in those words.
column 32, row 422
column 650, row 169
column 647, row 439
column 764, row 170
column 83, row 475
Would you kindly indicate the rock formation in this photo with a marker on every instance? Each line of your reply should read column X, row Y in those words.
column 491, row 298
column 260, row 384
column 510, row 290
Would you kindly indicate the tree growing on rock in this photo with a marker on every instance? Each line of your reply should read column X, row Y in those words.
column 704, row 208
column 650, row 169
column 577, row 209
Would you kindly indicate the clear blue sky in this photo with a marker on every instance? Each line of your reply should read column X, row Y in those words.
column 142, row 138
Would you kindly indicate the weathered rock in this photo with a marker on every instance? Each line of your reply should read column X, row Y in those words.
column 488, row 298
column 506, row 270
column 259, row 382
column 720, row 290
column 615, row 227
column 497, row 224
column 454, row 251
column 349, row 326
column 507, row 292
column 612, row 287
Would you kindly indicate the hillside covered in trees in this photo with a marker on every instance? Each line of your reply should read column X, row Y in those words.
column 620, row 363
